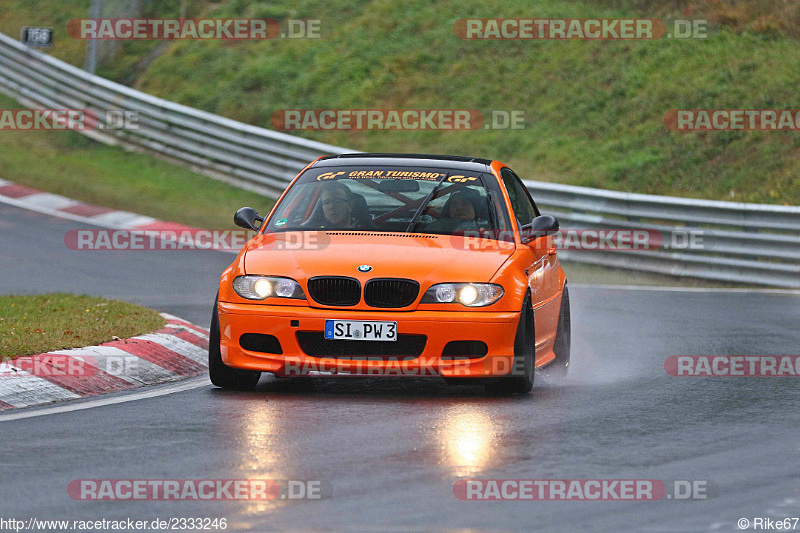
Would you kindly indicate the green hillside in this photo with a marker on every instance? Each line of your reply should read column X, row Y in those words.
column 594, row 109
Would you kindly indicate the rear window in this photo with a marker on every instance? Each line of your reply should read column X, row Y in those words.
column 387, row 199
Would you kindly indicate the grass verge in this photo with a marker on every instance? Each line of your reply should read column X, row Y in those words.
column 42, row 323
column 70, row 164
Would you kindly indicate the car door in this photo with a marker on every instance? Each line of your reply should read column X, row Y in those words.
column 543, row 263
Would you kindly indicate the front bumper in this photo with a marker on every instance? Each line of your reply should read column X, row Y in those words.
column 496, row 329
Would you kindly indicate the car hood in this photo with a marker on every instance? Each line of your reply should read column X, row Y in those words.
column 431, row 258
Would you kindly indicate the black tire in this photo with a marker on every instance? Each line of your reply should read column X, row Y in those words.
column 562, row 345
column 222, row 375
column 524, row 363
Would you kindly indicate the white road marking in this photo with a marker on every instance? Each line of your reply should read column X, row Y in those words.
column 51, row 201
column 190, row 329
column 167, row 316
column 189, row 384
column 98, row 221
column 185, row 348
column 123, row 365
column 24, row 389
column 202, row 332
column 124, row 219
column 52, row 212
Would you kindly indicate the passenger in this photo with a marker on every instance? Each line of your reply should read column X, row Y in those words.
column 459, row 213
column 461, row 207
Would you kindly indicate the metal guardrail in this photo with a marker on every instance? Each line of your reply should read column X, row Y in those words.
column 751, row 243
column 248, row 156
column 744, row 243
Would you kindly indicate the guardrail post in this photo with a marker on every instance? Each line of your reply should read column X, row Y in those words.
column 91, row 46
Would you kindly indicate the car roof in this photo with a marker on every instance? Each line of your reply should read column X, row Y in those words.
column 455, row 162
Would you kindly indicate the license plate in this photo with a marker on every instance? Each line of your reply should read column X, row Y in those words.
column 360, row 330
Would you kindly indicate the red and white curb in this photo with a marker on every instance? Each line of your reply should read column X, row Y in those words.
column 175, row 352
column 61, row 206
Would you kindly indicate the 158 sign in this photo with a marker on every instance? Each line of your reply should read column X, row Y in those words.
column 36, row 36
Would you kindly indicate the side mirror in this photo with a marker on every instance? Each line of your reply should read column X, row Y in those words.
column 541, row 226
column 248, row 218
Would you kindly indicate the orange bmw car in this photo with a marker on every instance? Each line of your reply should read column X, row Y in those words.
column 395, row 264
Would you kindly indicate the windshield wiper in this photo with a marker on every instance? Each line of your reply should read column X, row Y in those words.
column 424, row 204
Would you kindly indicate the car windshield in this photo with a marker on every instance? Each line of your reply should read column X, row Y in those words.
column 384, row 199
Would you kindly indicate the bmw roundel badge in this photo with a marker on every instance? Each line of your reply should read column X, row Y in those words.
column 364, row 268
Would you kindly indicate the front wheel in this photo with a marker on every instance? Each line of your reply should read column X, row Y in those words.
column 523, row 371
column 221, row 374
column 560, row 365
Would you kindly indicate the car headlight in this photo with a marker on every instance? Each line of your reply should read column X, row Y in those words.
column 468, row 294
column 262, row 287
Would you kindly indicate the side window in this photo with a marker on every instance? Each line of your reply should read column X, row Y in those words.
column 527, row 193
column 521, row 202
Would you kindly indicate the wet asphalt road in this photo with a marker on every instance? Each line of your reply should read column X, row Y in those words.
column 390, row 450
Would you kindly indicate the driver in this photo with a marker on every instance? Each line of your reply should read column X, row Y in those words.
column 337, row 205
